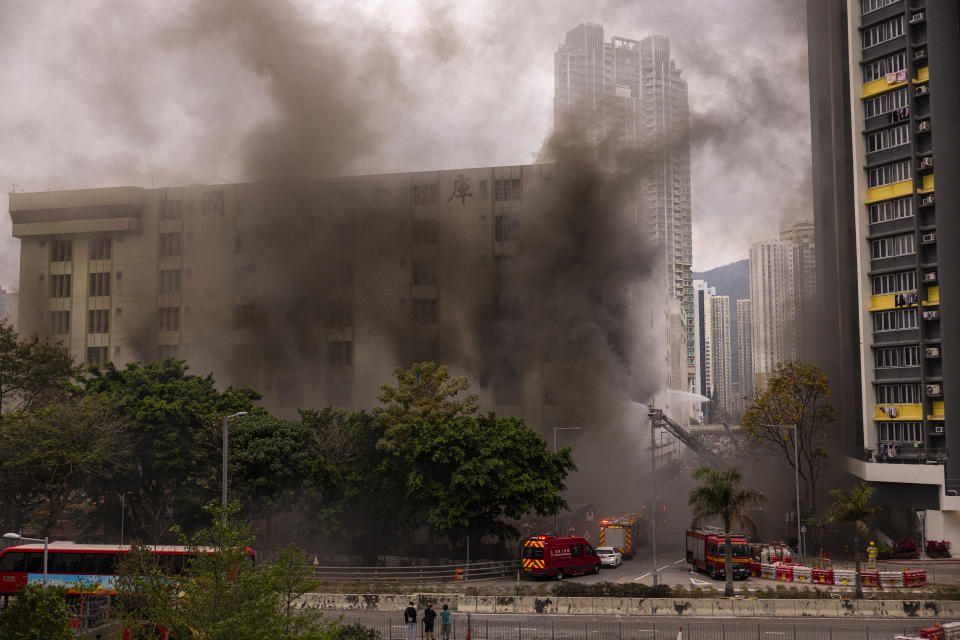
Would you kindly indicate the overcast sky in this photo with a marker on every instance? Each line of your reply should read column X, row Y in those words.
column 153, row 93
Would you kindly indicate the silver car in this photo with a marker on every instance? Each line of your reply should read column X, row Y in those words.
column 609, row 557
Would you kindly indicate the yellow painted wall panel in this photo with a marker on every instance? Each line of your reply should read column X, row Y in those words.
column 927, row 184
column 878, row 86
column 888, row 191
column 933, row 294
column 923, row 74
column 904, row 412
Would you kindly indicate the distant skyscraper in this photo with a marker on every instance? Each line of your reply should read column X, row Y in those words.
column 745, row 347
column 703, row 383
column 720, row 346
column 630, row 91
column 773, row 302
column 801, row 235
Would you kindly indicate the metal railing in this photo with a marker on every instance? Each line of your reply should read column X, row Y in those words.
column 428, row 573
column 589, row 627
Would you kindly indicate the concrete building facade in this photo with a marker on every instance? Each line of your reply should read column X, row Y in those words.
column 885, row 91
column 745, row 349
column 801, row 235
column 631, row 92
column 720, row 344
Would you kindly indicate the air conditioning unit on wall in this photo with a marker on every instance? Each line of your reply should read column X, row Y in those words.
column 934, row 389
column 931, row 315
column 930, row 276
column 933, row 352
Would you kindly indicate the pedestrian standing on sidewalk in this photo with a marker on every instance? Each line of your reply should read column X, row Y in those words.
column 429, row 615
column 410, row 619
column 445, row 623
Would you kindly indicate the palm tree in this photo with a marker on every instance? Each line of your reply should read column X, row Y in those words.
column 853, row 506
column 721, row 494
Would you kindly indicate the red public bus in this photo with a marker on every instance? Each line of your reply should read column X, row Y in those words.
column 547, row 556
column 81, row 568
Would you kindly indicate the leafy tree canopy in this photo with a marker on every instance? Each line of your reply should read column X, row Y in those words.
column 38, row 612
column 31, row 371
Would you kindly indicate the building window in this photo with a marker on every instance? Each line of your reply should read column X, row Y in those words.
column 898, row 393
column 339, row 354
column 99, row 284
column 61, row 251
column 60, row 286
column 879, row 68
column 170, row 245
column 426, row 194
column 888, row 138
column 889, row 173
column 212, row 202
column 895, row 319
column 901, row 245
column 882, row 32
column 900, row 431
column 506, row 228
column 872, row 5
column 245, row 316
column 101, row 248
column 165, row 351
column 97, row 356
column 894, row 282
column 425, row 310
column 340, row 313
column 424, row 272
column 170, row 207
column 60, row 322
column 425, row 232
column 98, row 321
column 891, row 210
column 509, row 189
column 886, row 102
column 168, row 318
column 896, row 357
column 169, row 281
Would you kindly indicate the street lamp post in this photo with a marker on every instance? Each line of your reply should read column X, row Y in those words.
column 796, row 471
column 46, row 545
column 223, row 497
column 123, row 512
column 654, row 415
column 556, row 530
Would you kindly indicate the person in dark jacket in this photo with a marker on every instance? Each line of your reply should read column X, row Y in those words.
column 410, row 619
column 429, row 615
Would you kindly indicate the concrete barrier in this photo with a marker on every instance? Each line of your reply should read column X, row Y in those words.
column 675, row 607
column 802, row 574
column 891, row 578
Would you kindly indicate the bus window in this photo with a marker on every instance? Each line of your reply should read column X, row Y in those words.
column 34, row 561
column 68, row 563
column 12, row 561
column 98, row 564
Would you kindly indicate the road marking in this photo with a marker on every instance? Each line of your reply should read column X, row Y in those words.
column 641, row 577
column 680, row 560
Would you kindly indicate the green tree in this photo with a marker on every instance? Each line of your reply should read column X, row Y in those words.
column 37, row 613
column 31, row 371
column 175, row 426
column 797, row 395
column 853, row 506
column 220, row 594
column 722, row 495
column 49, row 456
column 463, row 474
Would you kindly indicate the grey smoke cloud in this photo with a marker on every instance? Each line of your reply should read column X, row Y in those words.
column 104, row 93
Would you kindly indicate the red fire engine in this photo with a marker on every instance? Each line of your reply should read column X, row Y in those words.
column 547, row 556
column 705, row 552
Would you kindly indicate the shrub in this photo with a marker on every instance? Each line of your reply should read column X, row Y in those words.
column 905, row 548
column 884, row 552
column 37, row 612
column 354, row 632
column 938, row 548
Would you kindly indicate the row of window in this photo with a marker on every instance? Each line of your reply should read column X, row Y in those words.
column 904, row 393
column 891, row 210
column 895, row 357
column 168, row 318
column 170, row 245
column 886, row 102
column 506, row 228
column 866, row 6
column 879, row 33
column 426, row 193
column 508, row 189
column 900, row 431
column 889, row 173
column 889, row 138
column 879, row 68
column 894, row 282
column 62, row 250
column 901, row 245
column 895, row 319
column 98, row 321
column 99, row 284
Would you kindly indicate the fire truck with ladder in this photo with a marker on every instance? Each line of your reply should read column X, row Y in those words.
column 706, row 553
column 624, row 533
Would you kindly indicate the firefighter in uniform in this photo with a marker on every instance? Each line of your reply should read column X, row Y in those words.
column 872, row 556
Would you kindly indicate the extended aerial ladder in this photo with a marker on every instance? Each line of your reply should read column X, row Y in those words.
column 660, row 419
